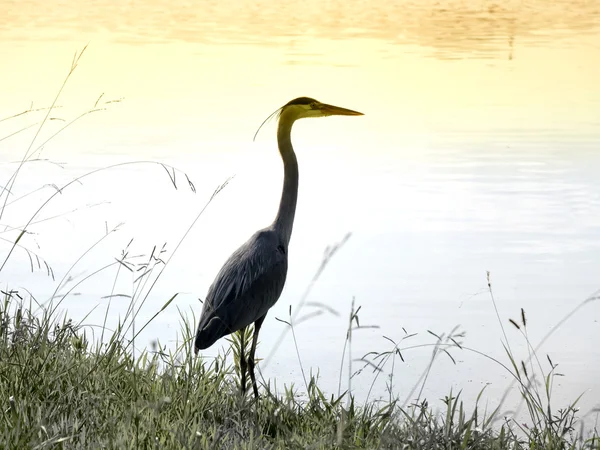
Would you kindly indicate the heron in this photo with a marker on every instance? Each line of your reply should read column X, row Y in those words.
column 252, row 279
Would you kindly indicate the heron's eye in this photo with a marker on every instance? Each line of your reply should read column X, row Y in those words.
column 313, row 105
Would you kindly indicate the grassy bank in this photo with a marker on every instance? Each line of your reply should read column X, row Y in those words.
column 58, row 390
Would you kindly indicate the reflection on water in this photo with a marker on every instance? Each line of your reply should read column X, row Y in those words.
column 452, row 28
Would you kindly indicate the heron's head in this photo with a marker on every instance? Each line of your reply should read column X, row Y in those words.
column 303, row 107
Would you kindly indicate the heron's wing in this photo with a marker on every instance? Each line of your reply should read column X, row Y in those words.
column 248, row 284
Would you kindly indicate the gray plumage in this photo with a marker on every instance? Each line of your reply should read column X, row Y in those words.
column 249, row 283
column 252, row 279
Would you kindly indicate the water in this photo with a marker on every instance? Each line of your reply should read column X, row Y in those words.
column 477, row 152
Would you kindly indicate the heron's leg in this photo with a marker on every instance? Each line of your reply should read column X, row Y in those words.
column 251, row 364
column 243, row 363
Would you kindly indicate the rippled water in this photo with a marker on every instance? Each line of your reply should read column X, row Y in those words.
column 477, row 152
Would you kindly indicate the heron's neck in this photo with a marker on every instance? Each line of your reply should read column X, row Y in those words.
column 284, row 221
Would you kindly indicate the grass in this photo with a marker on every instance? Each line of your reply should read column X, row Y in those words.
column 60, row 389
column 67, row 385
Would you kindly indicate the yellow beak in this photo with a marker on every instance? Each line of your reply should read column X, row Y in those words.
column 337, row 111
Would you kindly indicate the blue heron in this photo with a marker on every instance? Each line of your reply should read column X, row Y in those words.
column 251, row 280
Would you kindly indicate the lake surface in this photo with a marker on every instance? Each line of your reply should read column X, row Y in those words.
column 478, row 152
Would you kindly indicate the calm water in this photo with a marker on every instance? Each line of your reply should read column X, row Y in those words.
column 477, row 152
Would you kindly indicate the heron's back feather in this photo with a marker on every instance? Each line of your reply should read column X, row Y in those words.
column 248, row 284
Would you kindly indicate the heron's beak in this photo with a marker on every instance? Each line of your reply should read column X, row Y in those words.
column 331, row 110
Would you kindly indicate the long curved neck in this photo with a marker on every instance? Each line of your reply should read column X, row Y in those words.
column 284, row 221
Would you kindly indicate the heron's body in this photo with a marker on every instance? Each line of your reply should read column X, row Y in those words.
column 252, row 279
column 249, row 283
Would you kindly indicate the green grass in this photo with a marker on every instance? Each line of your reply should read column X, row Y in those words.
column 59, row 390
column 66, row 385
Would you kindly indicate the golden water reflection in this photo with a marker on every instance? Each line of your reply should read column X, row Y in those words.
column 450, row 28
